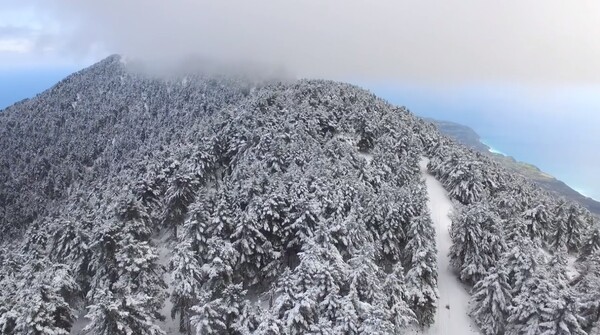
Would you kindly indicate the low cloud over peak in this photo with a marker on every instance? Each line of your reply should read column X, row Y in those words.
column 551, row 41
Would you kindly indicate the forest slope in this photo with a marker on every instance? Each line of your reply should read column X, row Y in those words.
column 262, row 207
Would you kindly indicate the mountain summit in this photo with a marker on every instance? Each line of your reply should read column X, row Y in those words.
column 206, row 204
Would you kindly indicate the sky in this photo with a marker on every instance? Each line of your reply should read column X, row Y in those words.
column 525, row 74
column 449, row 42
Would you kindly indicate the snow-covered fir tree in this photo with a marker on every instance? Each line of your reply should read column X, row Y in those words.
column 421, row 277
column 477, row 242
column 122, row 315
column 490, row 301
column 187, row 278
column 520, row 261
column 591, row 244
column 179, row 196
column 587, row 291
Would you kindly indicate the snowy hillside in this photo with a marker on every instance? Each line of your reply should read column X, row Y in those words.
column 200, row 204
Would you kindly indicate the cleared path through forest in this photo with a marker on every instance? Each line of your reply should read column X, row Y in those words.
column 451, row 317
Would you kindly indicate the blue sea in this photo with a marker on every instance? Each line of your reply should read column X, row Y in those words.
column 554, row 128
column 16, row 85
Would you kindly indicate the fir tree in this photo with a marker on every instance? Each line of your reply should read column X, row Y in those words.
column 392, row 234
column 564, row 318
column 347, row 320
column 44, row 311
column 520, row 262
column 591, row 245
column 376, row 322
column 296, row 310
column 218, row 264
column 126, row 315
column 466, row 183
column 209, row 317
column 148, row 194
column 198, row 226
column 557, row 237
column 530, row 308
column 44, row 304
column 135, row 220
column 138, row 269
column 71, row 245
column 587, row 291
column 421, row 278
column 536, row 222
column 401, row 316
column 477, row 242
column 249, row 242
column 574, row 228
column 220, row 313
column 365, row 275
column 187, row 279
column 270, row 325
column 180, row 195
column 490, row 302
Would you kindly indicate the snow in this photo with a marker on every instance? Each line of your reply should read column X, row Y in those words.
column 353, row 140
column 259, row 299
column 169, row 325
column 547, row 255
column 570, row 268
column 451, row 317
column 572, row 271
column 366, row 156
column 80, row 322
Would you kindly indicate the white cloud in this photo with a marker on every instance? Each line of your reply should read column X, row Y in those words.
column 16, row 45
column 439, row 41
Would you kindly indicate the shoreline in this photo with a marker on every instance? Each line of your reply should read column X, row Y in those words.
column 577, row 189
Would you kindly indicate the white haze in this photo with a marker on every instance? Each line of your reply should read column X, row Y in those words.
column 436, row 41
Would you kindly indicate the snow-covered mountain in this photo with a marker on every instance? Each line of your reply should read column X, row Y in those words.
column 205, row 204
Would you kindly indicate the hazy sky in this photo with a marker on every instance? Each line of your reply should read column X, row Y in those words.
column 525, row 63
column 545, row 41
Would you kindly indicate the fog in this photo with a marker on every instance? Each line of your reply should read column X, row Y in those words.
column 542, row 42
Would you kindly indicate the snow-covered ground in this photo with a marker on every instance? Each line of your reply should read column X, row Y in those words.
column 571, row 266
column 572, row 271
column 451, row 317
column 169, row 325
column 80, row 322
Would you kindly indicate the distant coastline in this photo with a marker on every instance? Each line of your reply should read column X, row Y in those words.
column 470, row 138
column 491, row 148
